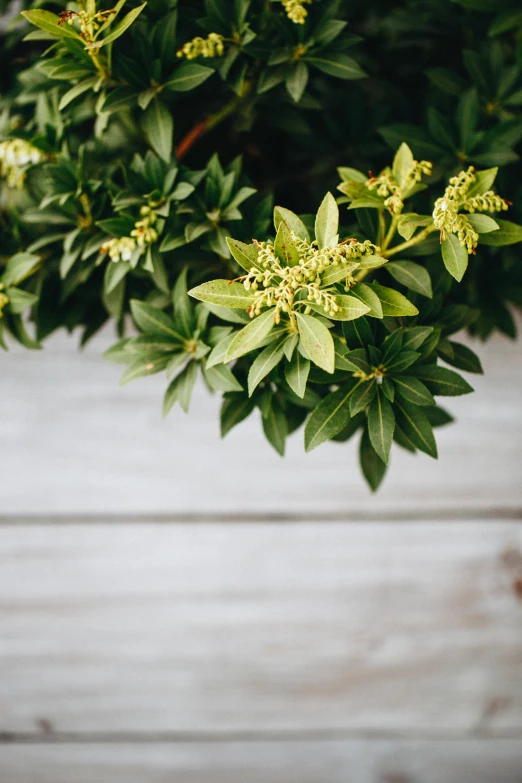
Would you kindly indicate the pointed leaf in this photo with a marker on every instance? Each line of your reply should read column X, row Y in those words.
column 381, row 425
column 455, row 256
column 413, row 422
column 327, row 222
column 329, row 417
column 251, row 336
column 296, row 373
column 411, row 275
column 393, row 303
column 264, row 363
column 317, row 341
column 224, row 293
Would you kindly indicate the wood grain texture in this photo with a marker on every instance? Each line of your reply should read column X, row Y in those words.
column 334, row 761
column 413, row 629
column 84, row 445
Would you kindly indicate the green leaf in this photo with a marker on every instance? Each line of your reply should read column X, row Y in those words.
column 275, row 428
column 224, row 293
column 464, row 359
column 483, row 182
column 483, row 224
column 293, row 222
column 284, row 246
column 296, row 373
column 337, row 272
column 415, row 336
column 114, row 274
column 413, row 390
column 409, row 222
column 507, row 234
column 20, row 300
column 412, row 276
column 327, row 223
column 145, row 364
column 182, row 306
column 402, row 164
column 19, row 331
column 404, row 360
column 47, row 21
column 245, row 255
column 125, row 23
column 358, row 334
column 351, row 175
column 372, row 466
column 362, row 395
column 329, row 417
column 455, row 256
column 339, row 65
column 19, row 267
column 218, row 353
column 180, row 389
column 158, row 125
column 369, row 298
column 251, row 336
column 413, row 422
column 188, row 76
column 443, row 382
column 76, row 91
column 296, row 80
column 381, row 425
column 264, row 363
column 221, row 378
column 317, row 341
column 350, row 308
column 393, row 303
column 235, row 408
column 152, row 320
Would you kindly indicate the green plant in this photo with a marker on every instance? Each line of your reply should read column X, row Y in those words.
column 115, row 200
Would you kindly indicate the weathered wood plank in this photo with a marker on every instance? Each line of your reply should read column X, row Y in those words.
column 334, row 761
column 73, row 441
column 412, row 628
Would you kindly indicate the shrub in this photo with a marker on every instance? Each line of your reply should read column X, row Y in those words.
column 144, row 146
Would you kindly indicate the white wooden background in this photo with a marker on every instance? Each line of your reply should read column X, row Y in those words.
column 177, row 608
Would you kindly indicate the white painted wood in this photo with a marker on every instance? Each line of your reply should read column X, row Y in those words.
column 411, row 628
column 74, row 441
column 334, row 761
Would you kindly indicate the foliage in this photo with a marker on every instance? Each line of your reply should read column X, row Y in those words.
column 142, row 148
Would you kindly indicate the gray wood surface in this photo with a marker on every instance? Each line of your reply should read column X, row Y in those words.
column 327, row 761
column 84, row 445
column 410, row 628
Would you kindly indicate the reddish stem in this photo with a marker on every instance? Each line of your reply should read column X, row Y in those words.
column 192, row 136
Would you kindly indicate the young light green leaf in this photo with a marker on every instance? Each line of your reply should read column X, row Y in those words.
column 317, row 341
column 336, row 273
column 49, row 22
column 251, row 336
column 245, row 255
column 329, row 417
column 393, row 303
column 125, row 23
column 224, row 293
column 455, row 256
column 413, row 276
column 483, row 224
column 296, row 373
column 402, row 164
column 218, row 353
column 19, row 267
column 327, row 222
column 369, row 298
column 284, row 246
column 381, row 425
column 293, row 222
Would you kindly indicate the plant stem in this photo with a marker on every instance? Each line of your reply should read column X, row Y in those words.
column 410, row 243
column 391, row 231
column 211, row 121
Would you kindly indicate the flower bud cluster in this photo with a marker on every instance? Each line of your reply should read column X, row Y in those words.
column 119, row 249
column 143, row 231
column 278, row 286
column 15, row 156
column 394, row 194
column 143, row 234
column 203, row 47
column 295, row 10
column 447, row 218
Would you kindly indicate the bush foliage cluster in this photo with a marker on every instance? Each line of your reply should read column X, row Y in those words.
column 143, row 148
